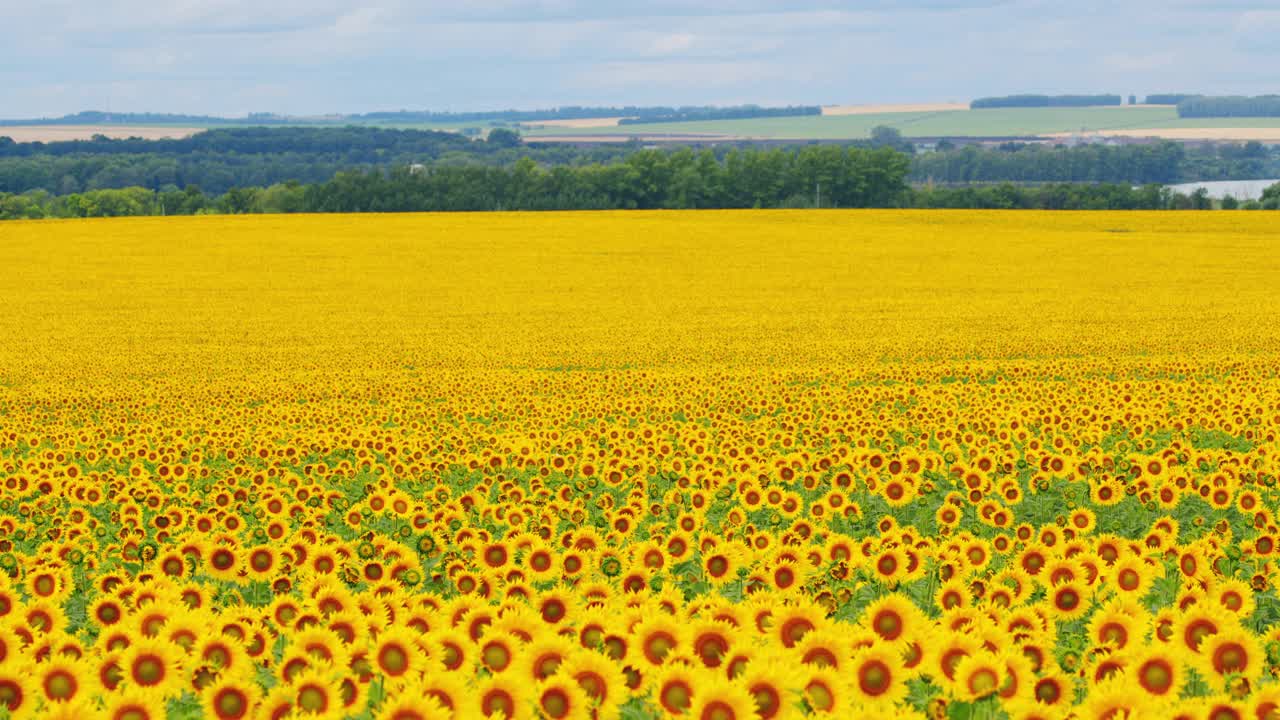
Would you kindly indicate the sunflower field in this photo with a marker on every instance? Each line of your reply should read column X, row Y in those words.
column 712, row 465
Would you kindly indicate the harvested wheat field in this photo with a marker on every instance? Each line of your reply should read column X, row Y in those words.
column 576, row 123
column 641, row 465
column 62, row 133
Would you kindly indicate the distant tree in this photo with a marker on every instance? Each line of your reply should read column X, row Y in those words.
column 1271, row 197
column 1230, row 203
column 238, row 201
column 885, row 136
column 503, row 138
column 1133, row 99
column 1200, row 200
column 1180, row 201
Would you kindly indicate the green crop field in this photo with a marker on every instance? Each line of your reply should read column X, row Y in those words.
column 973, row 123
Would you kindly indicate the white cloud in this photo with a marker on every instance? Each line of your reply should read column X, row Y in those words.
column 311, row 56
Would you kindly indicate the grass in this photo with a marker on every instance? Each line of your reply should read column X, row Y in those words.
column 976, row 123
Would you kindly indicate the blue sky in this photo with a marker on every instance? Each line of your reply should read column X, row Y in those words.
column 230, row 57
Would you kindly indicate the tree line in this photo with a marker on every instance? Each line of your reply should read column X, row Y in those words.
column 825, row 176
column 1231, row 106
column 218, row 160
column 1025, row 101
column 1162, row 163
column 646, row 179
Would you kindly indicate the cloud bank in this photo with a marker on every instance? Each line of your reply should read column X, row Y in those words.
column 236, row 56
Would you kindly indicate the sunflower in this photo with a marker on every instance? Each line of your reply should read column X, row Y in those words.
column 723, row 701
column 877, row 675
column 61, row 678
column 1117, row 625
column 1235, row 596
column 560, row 698
column 1018, row 677
column 277, row 704
column 1197, row 623
column 601, row 679
column 787, row 575
column 1132, row 577
column 893, row 618
column 152, row 665
column 774, row 683
column 451, row 648
column 106, row 611
column 406, row 707
column 229, row 698
column 133, row 704
column 497, row 651
column 397, row 655
column 953, row 595
column 659, row 636
column 9, row 645
column 1157, row 671
column 711, row 641
column 674, row 686
column 949, row 649
column 1068, row 600
column 316, row 695
column 1234, row 651
column 223, row 562
column 827, row 692
column 977, row 676
column 555, row 605
column 220, row 654
column 1103, row 664
column 1265, row 703
column 1113, row 700
column 18, row 693
column 542, row 657
column 721, row 564
column 1053, row 689
column 446, row 688
column 791, row 623
column 502, row 696
column 889, row 566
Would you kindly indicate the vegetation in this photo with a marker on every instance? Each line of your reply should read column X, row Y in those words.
column 1025, row 101
column 697, row 114
column 711, row 466
column 1221, row 107
column 353, row 169
column 1162, row 162
column 218, row 160
column 530, row 188
column 845, row 177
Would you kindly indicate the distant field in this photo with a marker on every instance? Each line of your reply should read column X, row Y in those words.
column 1137, row 120
column 1261, row 134
column 838, row 122
column 55, row 133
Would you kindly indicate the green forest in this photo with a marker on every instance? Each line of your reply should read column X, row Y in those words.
column 360, row 169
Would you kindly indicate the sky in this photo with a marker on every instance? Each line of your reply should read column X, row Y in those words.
column 310, row 57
